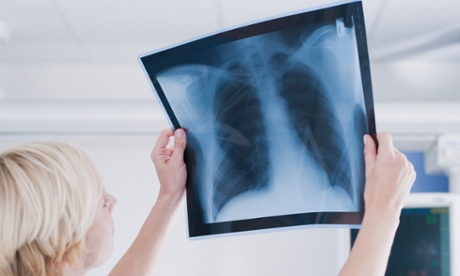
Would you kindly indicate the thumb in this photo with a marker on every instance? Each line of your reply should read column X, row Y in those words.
column 370, row 153
column 179, row 145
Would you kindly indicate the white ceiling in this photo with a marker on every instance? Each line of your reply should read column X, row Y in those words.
column 120, row 30
column 92, row 44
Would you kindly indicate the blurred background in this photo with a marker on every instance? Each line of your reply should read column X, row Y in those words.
column 69, row 71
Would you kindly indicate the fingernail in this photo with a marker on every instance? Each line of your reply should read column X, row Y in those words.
column 179, row 133
column 364, row 139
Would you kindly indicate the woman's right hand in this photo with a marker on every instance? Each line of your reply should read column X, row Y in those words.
column 389, row 176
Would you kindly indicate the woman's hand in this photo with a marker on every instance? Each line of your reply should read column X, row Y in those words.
column 169, row 162
column 389, row 177
column 140, row 259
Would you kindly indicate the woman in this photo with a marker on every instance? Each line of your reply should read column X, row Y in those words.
column 56, row 217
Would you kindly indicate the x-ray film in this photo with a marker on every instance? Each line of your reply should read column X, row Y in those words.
column 275, row 114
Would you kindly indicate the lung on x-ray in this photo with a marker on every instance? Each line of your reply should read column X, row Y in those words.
column 275, row 112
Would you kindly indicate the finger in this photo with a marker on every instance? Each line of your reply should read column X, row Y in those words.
column 370, row 152
column 409, row 181
column 163, row 140
column 412, row 173
column 385, row 142
column 409, row 175
column 160, row 145
column 180, row 142
column 413, row 177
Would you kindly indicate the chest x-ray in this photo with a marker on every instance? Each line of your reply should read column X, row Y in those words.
column 275, row 113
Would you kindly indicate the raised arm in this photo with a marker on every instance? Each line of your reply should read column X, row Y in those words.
column 169, row 163
column 389, row 178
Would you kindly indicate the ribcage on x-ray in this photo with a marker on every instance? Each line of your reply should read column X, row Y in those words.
column 241, row 137
column 314, row 119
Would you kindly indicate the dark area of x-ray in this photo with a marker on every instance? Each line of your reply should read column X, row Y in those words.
column 274, row 122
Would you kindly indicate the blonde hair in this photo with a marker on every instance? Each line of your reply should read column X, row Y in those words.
column 48, row 200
